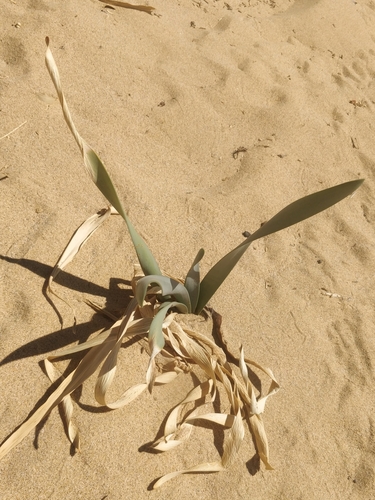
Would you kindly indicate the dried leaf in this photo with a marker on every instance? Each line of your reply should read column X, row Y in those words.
column 205, row 467
column 66, row 407
column 257, row 427
column 79, row 238
column 223, row 419
column 233, row 441
column 142, row 8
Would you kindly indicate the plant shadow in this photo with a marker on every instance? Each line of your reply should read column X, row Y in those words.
column 117, row 298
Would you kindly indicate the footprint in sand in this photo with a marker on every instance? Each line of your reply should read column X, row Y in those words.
column 359, row 74
column 13, row 53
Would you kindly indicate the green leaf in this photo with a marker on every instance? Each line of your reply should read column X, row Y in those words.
column 98, row 173
column 169, row 288
column 292, row 214
column 104, row 183
column 155, row 335
column 192, row 281
column 217, row 274
column 101, row 178
column 305, row 207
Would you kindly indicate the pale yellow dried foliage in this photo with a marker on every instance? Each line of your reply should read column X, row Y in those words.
column 79, row 238
column 184, row 349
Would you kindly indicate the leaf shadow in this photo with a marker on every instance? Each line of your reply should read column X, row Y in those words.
column 116, row 297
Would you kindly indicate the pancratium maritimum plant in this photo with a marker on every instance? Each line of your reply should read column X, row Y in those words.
column 151, row 314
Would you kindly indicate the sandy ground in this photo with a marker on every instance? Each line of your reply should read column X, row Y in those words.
column 166, row 99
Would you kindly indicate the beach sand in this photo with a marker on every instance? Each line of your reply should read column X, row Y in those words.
column 167, row 100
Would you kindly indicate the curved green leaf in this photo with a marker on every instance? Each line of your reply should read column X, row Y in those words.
column 104, row 183
column 292, row 214
column 192, row 281
column 169, row 288
column 155, row 335
column 305, row 208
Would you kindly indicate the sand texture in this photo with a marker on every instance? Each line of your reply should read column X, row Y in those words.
column 210, row 116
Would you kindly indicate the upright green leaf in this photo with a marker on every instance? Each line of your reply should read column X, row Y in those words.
column 192, row 281
column 98, row 172
column 292, row 214
column 217, row 274
column 104, row 183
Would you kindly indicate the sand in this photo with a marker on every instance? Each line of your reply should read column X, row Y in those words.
column 166, row 99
